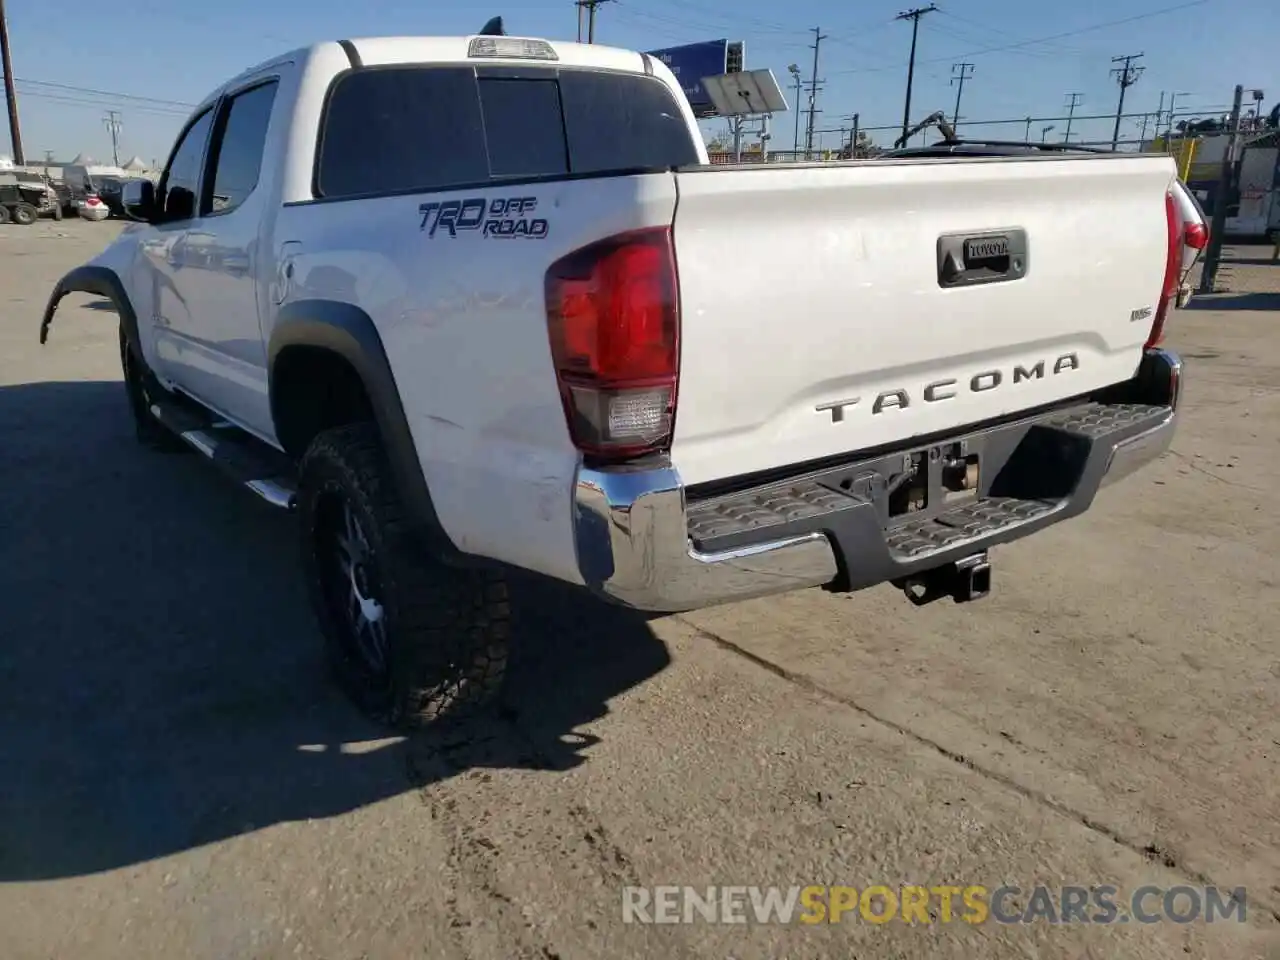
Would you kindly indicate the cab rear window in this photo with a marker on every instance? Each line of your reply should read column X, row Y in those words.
column 416, row 129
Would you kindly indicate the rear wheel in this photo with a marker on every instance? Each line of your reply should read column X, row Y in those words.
column 410, row 639
column 4, row 214
column 24, row 214
column 139, row 386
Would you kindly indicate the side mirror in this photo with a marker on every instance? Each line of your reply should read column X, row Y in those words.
column 139, row 200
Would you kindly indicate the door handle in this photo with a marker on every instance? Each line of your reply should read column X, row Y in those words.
column 993, row 256
column 285, row 269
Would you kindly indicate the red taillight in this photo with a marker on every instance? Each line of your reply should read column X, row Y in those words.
column 1172, row 270
column 1196, row 236
column 615, row 340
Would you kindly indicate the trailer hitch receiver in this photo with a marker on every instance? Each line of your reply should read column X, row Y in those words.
column 962, row 581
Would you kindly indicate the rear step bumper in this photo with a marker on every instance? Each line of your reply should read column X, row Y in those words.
column 641, row 544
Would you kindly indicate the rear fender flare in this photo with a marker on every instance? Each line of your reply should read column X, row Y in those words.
column 347, row 331
column 106, row 283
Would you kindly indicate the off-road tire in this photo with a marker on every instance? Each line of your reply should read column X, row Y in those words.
column 5, row 216
column 139, row 387
column 445, row 629
column 57, row 212
column 24, row 214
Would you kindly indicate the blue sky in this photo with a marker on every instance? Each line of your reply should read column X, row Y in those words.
column 74, row 64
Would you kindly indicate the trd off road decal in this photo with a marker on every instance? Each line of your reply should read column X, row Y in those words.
column 501, row 219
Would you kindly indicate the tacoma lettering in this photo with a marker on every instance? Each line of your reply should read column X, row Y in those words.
column 940, row 390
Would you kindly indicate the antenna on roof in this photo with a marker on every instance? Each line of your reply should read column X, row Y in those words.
column 492, row 29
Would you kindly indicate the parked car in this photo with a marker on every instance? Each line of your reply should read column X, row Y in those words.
column 469, row 305
column 109, row 192
column 92, row 208
column 76, row 185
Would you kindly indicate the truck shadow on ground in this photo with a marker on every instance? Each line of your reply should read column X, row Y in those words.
column 161, row 681
column 1235, row 301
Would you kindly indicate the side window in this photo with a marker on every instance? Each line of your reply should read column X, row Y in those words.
column 417, row 129
column 178, row 185
column 238, row 146
column 523, row 127
column 401, row 129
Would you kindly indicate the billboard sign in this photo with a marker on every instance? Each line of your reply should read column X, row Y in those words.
column 690, row 64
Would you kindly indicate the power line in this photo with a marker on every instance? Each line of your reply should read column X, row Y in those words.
column 914, row 16
column 1035, row 40
column 966, row 71
column 70, row 101
column 109, row 94
column 1126, row 76
column 814, row 86
column 717, row 22
column 1005, row 33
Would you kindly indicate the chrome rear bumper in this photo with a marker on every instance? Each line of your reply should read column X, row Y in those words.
column 633, row 526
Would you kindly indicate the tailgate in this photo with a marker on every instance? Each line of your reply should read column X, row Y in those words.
column 821, row 314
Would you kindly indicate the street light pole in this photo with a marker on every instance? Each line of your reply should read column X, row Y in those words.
column 794, row 69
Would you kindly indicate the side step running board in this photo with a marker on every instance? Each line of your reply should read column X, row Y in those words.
column 266, row 472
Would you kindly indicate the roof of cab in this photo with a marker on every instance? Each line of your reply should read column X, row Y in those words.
column 377, row 51
column 382, row 51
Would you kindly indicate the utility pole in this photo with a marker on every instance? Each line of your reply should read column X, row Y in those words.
column 1126, row 76
column 914, row 16
column 590, row 6
column 112, row 122
column 814, row 86
column 1027, row 135
column 1226, row 186
column 1071, row 112
column 10, row 94
column 966, row 71
column 853, row 137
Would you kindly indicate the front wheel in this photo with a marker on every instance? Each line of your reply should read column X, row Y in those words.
column 410, row 639
column 138, row 387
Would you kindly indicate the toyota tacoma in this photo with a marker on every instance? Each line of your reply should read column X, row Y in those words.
column 475, row 304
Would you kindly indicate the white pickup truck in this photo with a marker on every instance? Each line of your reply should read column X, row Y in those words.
column 479, row 303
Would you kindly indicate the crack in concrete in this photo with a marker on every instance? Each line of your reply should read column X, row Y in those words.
column 1152, row 851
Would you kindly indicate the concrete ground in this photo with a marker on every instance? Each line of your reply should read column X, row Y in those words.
column 178, row 778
